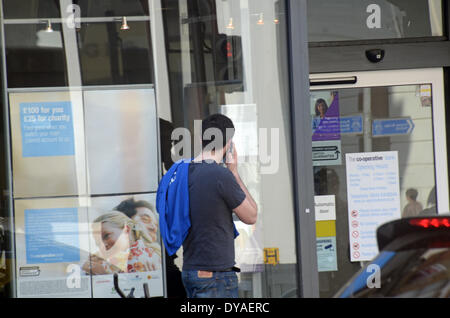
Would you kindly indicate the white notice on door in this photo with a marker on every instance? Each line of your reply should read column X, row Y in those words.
column 325, row 207
column 373, row 199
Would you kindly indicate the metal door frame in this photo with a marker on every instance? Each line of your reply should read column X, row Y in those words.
column 304, row 195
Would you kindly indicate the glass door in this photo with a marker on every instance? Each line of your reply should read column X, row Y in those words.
column 379, row 153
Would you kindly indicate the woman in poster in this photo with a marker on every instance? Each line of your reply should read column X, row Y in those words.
column 321, row 108
column 124, row 246
column 144, row 213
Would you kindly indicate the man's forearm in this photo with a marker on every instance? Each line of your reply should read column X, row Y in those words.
column 244, row 188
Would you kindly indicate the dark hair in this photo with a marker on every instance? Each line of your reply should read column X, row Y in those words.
column 320, row 101
column 129, row 206
column 412, row 193
column 166, row 128
column 221, row 122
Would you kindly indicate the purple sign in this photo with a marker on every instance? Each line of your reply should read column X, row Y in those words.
column 327, row 125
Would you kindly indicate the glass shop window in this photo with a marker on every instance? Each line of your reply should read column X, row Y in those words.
column 350, row 20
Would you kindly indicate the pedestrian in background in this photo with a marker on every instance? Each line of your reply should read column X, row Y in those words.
column 413, row 208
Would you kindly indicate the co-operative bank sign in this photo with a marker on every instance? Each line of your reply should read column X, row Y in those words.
column 373, row 199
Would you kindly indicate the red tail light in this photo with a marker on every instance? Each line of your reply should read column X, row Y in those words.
column 431, row 222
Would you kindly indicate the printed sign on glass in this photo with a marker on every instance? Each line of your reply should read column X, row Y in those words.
column 47, row 129
column 373, row 199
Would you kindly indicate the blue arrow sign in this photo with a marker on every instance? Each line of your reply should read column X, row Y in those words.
column 392, row 127
column 348, row 124
column 352, row 124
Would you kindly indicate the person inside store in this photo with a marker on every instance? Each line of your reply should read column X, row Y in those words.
column 175, row 288
column 123, row 246
column 143, row 212
column 413, row 208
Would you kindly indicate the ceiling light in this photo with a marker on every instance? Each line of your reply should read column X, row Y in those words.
column 124, row 25
column 49, row 27
column 230, row 25
column 261, row 19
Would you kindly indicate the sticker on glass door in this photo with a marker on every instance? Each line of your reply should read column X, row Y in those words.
column 326, row 135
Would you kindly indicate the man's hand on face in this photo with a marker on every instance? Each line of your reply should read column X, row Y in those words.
column 231, row 159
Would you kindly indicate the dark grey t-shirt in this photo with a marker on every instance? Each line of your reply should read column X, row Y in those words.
column 213, row 194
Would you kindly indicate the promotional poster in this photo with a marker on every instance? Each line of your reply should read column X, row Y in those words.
column 72, row 248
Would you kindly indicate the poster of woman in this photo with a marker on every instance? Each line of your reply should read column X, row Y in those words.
column 124, row 240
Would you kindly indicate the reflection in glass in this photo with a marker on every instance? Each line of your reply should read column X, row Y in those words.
column 31, row 9
column 34, row 57
column 412, row 273
column 229, row 57
column 349, row 20
column 106, row 8
column 110, row 55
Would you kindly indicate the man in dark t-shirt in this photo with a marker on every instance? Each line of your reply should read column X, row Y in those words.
column 215, row 192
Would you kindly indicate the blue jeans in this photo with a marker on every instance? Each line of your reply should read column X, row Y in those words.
column 220, row 285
